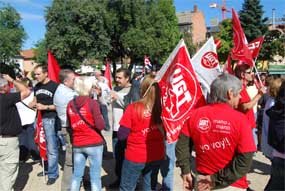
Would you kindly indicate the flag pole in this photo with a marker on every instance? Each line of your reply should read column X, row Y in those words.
column 258, row 76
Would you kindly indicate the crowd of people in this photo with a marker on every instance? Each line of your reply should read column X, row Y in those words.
column 75, row 111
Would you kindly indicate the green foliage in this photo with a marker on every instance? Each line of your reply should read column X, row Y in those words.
column 12, row 34
column 76, row 31
column 41, row 52
column 254, row 25
column 252, row 21
column 274, row 44
column 226, row 36
column 141, row 28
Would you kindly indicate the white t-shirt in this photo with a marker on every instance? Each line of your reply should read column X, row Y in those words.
column 27, row 114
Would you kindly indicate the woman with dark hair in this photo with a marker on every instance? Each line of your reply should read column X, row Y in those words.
column 141, row 125
column 276, row 139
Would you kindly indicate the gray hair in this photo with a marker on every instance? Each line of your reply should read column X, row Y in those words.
column 220, row 87
column 63, row 74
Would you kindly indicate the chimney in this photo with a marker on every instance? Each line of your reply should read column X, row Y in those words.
column 195, row 8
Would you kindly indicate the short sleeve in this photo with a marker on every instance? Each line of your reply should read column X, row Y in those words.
column 244, row 97
column 126, row 119
column 246, row 141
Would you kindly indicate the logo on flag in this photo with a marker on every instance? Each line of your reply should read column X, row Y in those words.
column 206, row 64
column 180, row 91
column 210, row 60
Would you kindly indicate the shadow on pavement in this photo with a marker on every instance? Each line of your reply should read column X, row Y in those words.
column 23, row 175
column 260, row 168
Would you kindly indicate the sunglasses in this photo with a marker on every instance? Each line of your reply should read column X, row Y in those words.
column 248, row 72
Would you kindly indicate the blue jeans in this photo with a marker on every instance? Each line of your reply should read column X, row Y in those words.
column 131, row 172
column 26, row 138
column 52, row 148
column 167, row 167
column 94, row 155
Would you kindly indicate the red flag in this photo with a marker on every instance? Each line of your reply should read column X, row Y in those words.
column 40, row 137
column 255, row 46
column 108, row 75
column 218, row 43
column 240, row 50
column 180, row 91
column 228, row 66
column 53, row 68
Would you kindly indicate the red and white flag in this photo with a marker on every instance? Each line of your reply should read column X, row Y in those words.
column 206, row 64
column 40, row 136
column 255, row 46
column 108, row 74
column 180, row 91
column 53, row 68
column 240, row 50
column 147, row 63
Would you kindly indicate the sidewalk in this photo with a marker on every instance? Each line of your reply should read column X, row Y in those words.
column 27, row 179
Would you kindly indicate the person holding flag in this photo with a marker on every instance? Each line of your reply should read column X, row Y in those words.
column 223, row 143
column 10, row 128
column 245, row 74
column 44, row 93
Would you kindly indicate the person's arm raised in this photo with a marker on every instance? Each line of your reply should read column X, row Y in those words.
column 24, row 91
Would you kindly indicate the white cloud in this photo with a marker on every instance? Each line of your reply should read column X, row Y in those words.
column 29, row 16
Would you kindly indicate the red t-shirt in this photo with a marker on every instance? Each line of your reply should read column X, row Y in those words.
column 218, row 133
column 249, row 113
column 145, row 143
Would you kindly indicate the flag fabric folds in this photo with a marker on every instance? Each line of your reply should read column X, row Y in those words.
column 228, row 66
column 206, row 64
column 180, row 91
column 240, row 50
column 255, row 46
column 53, row 68
column 108, row 75
column 40, row 137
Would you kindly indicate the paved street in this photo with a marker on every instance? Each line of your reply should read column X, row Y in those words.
column 28, row 181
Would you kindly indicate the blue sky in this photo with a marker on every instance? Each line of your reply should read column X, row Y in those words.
column 32, row 13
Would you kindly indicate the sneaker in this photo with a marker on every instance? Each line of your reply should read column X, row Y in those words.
column 51, row 181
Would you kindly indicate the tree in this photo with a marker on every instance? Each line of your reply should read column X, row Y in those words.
column 41, row 52
column 76, row 31
column 143, row 27
column 254, row 25
column 252, row 21
column 12, row 35
column 226, row 37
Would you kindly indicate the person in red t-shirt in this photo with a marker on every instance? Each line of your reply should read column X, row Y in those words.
column 86, row 122
column 222, row 138
column 141, row 126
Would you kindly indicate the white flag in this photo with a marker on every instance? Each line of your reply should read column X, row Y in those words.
column 206, row 65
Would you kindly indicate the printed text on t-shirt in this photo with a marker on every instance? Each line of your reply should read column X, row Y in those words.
column 221, row 144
